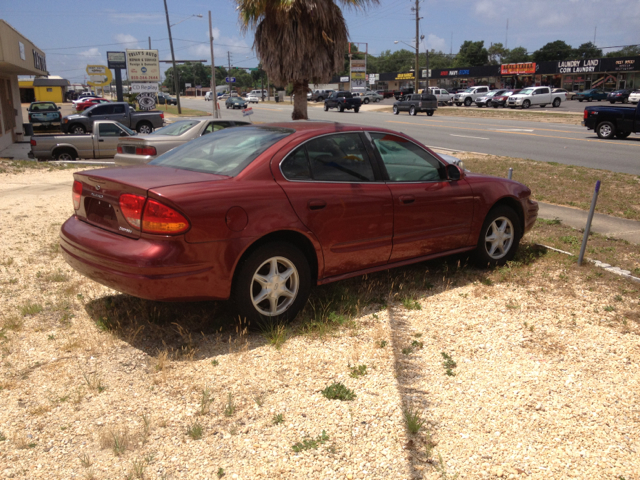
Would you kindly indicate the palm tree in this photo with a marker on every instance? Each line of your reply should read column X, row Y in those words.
column 298, row 41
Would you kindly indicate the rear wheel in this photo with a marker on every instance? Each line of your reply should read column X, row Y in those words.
column 580, row 100
column 430, row 113
column 272, row 283
column 341, row 108
column 365, row 101
column 326, row 107
column 144, row 128
column 556, row 103
column 356, row 109
column 65, row 154
column 412, row 110
column 395, row 110
column 606, row 130
column 612, row 102
column 499, row 237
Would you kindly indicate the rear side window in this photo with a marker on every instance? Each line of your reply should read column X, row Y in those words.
column 407, row 162
column 118, row 109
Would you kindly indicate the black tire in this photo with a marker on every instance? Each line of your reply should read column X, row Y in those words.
column 495, row 105
column 556, row 103
column 356, row 109
column 430, row 113
column 65, row 154
column 341, row 108
column 543, row 105
column 365, row 101
column 326, row 107
column 144, row 128
column 245, row 288
column 606, row 130
column 499, row 216
column 395, row 110
column 622, row 134
column 467, row 102
column 581, row 100
column 412, row 111
column 612, row 102
column 77, row 129
column 526, row 104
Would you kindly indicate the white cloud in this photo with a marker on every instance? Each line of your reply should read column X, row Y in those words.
column 433, row 42
column 128, row 41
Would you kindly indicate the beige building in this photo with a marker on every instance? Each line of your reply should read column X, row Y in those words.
column 18, row 56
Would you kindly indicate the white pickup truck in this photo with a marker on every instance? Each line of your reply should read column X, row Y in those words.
column 469, row 95
column 441, row 94
column 535, row 96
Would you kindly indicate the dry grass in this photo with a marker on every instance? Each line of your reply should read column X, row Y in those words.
column 560, row 184
column 505, row 114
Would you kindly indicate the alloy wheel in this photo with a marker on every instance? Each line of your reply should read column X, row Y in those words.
column 274, row 286
column 499, row 238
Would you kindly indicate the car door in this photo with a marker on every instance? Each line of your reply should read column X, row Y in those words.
column 107, row 140
column 333, row 188
column 102, row 112
column 431, row 213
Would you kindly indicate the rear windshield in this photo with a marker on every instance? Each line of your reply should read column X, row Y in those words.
column 225, row 152
column 177, row 128
column 43, row 107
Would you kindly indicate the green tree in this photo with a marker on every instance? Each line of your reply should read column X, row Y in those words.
column 298, row 41
column 628, row 51
column 554, row 52
column 516, row 55
column 496, row 53
column 587, row 50
column 437, row 60
column 472, row 54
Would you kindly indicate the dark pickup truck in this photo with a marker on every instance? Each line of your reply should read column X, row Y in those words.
column 122, row 112
column 612, row 121
column 402, row 93
column 418, row 102
column 342, row 101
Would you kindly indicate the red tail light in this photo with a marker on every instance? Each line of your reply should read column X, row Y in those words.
column 131, row 207
column 76, row 194
column 119, row 149
column 586, row 114
column 146, row 151
column 161, row 115
column 152, row 217
column 159, row 218
column 33, row 142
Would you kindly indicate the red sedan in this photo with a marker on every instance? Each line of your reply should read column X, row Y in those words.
column 260, row 213
column 90, row 102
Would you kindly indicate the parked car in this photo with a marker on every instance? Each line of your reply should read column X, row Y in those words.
column 101, row 144
column 84, row 96
column 609, row 122
column 144, row 148
column 258, row 93
column 343, row 101
column 485, row 100
column 621, row 96
column 165, row 98
column 371, row 96
column 592, row 94
column 403, row 92
column 143, row 122
column 236, row 102
column 385, row 93
column 90, row 102
column 468, row 96
column 279, row 208
column 535, row 96
column 634, row 97
column 321, row 95
column 568, row 95
column 415, row 103
column 252, row 99
column 501, row 100
column 442, row 95
column 44, row 114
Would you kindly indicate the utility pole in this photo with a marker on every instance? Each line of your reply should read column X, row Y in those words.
column 595, row 30
column 417, row 46
column 173, row 59
column 214, row 94
column 149, row 43
column 506, row 36
column 229, row 70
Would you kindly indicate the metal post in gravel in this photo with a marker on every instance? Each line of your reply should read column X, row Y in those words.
column 587, row 229
column 510, row 173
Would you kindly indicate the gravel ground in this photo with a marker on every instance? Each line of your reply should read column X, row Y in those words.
column 541, row 375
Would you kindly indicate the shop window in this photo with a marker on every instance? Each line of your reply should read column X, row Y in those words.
column 49, row 89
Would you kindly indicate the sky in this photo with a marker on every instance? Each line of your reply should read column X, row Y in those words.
column 74, row 34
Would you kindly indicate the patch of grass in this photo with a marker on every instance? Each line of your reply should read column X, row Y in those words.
column 618, row 298
column 277, row 419
column 230, row 406
column 220, row 473
column 205, row 401
column 417, row 344
column 2, row 437
column 358, row 371
column 555, row 221
column 85, row 460
column 441, row 468
column 57, row 277
column 311, row 443
column 14, row 323
column 609, row 308
column 407, row 351
column 6, row 262
column 138, row 467
column 215, row 363
column 94, row 382
column 195, row 431
column 382, row 343
column 338, row 391
column 30, row 308
column 412, row 419
column 410, row 303
column 449, row 364
column 274, row 332
column 117, row 440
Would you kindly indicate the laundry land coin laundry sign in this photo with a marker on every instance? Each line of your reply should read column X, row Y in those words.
column 143, row 66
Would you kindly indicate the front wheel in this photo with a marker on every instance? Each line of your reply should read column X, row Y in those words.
column 326, row 107
column 272, row 283
column 77, row 129
column 467, row 102
column 606, row 130
column 356, row 109
column 612, row 102
column 412, row 111
column 526, row 104
column 144, row 128
column 556, row 103
column 580, row 100
column 430, row 113
column 395, row 110
column 499, row 237
column 622, row 134
column 365, row 101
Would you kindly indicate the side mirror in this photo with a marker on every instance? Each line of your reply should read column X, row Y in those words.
column 124, row 134
column 454, row 173
column 89, row 114
column 59, row 108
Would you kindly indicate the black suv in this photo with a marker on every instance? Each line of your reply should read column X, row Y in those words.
column 417, row 102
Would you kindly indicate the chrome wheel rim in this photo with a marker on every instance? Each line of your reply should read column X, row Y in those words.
column 78, row 130
column 274, row 286
column 498, row 238
column 605, row 130
column 145, row 129
column 64, row 156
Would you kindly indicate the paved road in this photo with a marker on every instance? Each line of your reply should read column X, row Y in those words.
column 568, row 144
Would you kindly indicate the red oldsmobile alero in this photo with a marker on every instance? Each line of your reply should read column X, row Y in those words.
column 260, row 213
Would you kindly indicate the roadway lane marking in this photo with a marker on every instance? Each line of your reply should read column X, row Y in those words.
column 514, row 130
column 467, row 136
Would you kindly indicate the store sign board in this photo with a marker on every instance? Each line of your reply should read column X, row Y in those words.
column 625, row 65
column 100, row 75
column 517, row 68
column 578, row 66
column 344, row 79
column 39, row 62
column 144, row 87
column 117, row 60
column 405, row 76
column 143, row 66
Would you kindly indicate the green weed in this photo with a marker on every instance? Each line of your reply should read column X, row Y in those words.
column 309, row 443
column 230, row 406
column 277, row 419
column 358, row 371
column 30, row 308
column 338, row 391
column 449, row 364
column 412, row 419
column 195, row 431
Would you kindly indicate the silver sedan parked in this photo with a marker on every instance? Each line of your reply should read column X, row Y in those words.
column 147, row 147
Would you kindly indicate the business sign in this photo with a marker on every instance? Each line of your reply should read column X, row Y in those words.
column 453, row 73
column 100, row 75
column 187, row 85
column 117, row 60
column 39, row 62
column 625, row 65
column 405, row 76
column 358, row 75
column 230, row 79
column 146, row 100
column 21, row 48
column 144, row 87
column 517, row 68
column 344, row 79
column 143, row 66
column 578, row 66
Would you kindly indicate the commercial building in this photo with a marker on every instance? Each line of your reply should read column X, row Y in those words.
column 51, row 89
column 18, row 56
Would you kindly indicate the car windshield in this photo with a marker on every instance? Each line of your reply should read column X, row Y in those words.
column 177, row 128
column 469, row 90
column 491, row 94
column 127, row 129
column 225, row 152
column 526, row 91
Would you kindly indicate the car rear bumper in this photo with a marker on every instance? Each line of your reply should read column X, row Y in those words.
column 166, row 268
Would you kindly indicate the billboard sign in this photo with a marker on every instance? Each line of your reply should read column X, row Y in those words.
column 117, row 60
column 144, row 87
column 100, row 75
column 358, row 75
column 143, row 66
column 517, row 68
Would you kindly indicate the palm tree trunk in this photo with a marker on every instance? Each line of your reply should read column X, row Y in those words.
column 300, row 88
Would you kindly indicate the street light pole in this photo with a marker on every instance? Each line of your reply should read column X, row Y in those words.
column 417, row 45
column 173, row 59
column 214, row 94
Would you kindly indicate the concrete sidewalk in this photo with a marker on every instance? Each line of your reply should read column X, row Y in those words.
column 628, row 230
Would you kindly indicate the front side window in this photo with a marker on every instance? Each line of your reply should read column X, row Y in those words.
column 407, row 162
column 100, row 110
column 109, row 130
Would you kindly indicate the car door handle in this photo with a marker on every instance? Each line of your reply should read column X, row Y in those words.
column 317, row 204
column 406, row 199
column 101, row 140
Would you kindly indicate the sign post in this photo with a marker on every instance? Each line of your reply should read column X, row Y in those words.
column 117, row 61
